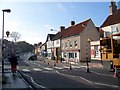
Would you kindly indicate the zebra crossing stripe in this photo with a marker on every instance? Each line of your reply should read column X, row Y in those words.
column 46, row 68
column 26, row 70
column 58, row 67
column 37, row 69
column 66, row 67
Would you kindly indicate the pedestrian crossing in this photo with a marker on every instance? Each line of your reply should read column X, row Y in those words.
column 47, row 68
column 37, row 69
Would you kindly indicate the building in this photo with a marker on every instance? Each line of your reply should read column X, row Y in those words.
column 112, row 23
column 50, row 45
column 95, row 46
column 38, row 48
column 57, row 45
column 74, row 41
column 43, row 50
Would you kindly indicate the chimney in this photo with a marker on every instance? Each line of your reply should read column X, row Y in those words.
column 72, row 23
column 62, row 28
column 112, row 7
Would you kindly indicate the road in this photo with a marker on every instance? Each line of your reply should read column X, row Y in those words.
column 52, row 77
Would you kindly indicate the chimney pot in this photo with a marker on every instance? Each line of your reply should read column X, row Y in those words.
column 112, row 7
column 72, row 23
column 62, row 28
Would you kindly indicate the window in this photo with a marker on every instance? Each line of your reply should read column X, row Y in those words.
column 70, row 44
column 106, row 34
column 57, row 42
column 62, row 45
column 75, row 55
column 64, row 55
column 66, row 45
column 75, row 43
column 49, row 54
column 71, row 55
column 114, row 30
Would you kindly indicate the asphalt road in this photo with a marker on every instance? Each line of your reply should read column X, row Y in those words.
column 59, row 77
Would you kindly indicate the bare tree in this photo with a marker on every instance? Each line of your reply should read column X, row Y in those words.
column 16, row 36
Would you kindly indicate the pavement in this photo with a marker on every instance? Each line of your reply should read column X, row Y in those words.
column 9, row 81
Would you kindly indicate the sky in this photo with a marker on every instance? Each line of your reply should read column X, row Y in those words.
column 33, row 20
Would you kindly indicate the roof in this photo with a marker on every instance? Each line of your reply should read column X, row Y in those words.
column 75, row 29
column 50, row 36
column 70, row 31
column 100, row 30
column 112, row 19
column 57, row 36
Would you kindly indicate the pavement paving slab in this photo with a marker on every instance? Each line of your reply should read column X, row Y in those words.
column 14, row 82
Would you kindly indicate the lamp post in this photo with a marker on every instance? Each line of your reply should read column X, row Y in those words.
column 53, row 30
column 87, row 69
column 2, row 41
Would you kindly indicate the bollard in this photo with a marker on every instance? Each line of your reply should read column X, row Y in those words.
column 70, row 67
column 87, row 69
column 116, row 72
column 111, row 66
column 54, row 63
column 48, row 63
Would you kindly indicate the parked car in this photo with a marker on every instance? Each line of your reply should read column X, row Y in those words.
column 33, row 57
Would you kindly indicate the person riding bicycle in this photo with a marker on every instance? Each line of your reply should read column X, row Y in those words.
column 13, row 61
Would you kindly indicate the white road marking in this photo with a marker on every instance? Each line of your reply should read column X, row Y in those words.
column 37, row 69
column 26, row 70
column 66, row 67
column 115, row 86
column 75, row 67
column 83, row 66
column 34, row 82
column 101, row 74
column 46, row 68
column 7, row 67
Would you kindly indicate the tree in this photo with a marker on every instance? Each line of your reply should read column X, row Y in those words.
column 16, row 36
column 35, row 45
column 25, row 47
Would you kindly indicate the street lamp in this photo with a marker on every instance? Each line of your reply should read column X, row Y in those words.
column 88, row 41
column 2, row 41
column 53, row 30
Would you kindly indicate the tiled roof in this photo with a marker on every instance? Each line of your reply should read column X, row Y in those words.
column 74, row 30
column 112, row 19
column 70, row 31
column 57, row 36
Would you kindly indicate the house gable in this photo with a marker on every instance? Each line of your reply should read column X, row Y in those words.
column 75, row 29
column 112, row 19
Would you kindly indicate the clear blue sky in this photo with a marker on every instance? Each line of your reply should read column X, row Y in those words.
column 33, row 20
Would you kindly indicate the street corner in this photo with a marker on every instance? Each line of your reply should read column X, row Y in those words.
column 95, row 65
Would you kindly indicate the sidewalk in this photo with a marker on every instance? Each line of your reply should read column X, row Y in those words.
column 10, row 82
column 13, row 82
